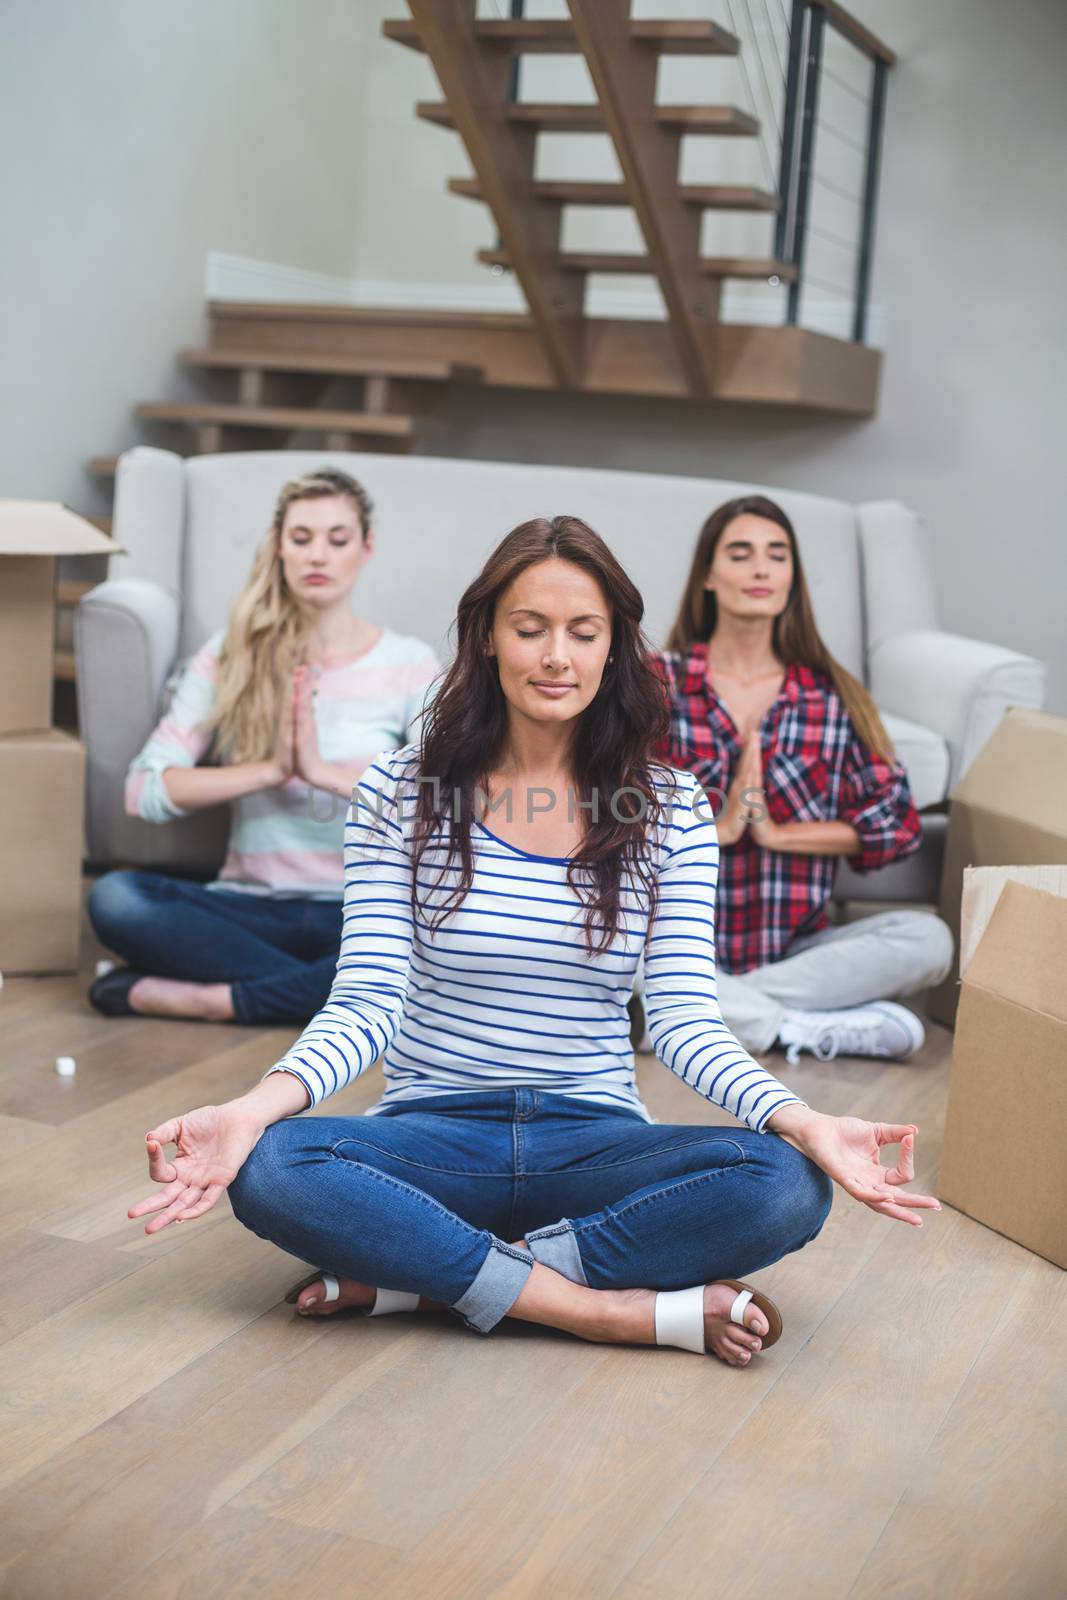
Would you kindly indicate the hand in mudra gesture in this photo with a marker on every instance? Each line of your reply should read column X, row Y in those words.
column 849, row 1150
column 214, row 1143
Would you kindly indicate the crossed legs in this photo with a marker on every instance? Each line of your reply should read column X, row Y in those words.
column 726, row 1203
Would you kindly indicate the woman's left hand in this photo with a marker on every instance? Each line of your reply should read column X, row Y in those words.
column 308, row 758
column 762, row 828
column 849, row 1150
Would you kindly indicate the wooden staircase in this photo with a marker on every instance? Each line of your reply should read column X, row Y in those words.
column 356, row 377
column 472, row 58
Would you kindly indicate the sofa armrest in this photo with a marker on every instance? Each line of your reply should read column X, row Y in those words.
column 958, row 687
column 125, row 642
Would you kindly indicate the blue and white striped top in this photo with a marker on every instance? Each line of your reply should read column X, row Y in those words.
column 504, row 993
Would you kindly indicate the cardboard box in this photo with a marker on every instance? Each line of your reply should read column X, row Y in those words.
column 1009, row 808
column 33, row 533
column 42, row 809
column 1002, row 1161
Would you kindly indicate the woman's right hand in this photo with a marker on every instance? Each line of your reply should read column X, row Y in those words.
column 734, row 818
column 214, row 1143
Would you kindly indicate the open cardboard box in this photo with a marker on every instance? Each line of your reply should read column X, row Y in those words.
column 1009, row 808
column 42, row 809
column 42, row 771
column 33, row 533
column 1003, row 1159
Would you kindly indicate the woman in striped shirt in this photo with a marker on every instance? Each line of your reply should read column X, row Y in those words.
column 501, row 880
column 288, row 705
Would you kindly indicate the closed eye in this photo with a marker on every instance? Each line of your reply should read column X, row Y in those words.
column 586, row 638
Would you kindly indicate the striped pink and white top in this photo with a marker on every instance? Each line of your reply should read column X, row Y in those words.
column 289, row 841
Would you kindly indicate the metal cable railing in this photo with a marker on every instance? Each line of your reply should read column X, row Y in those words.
column 806, row 70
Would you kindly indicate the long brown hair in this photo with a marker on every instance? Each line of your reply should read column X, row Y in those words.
column 795, row 638
column 465, row 732
column 267, row 631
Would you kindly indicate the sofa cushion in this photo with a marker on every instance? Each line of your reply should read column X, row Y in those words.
column 438, row 519
column 925, row 756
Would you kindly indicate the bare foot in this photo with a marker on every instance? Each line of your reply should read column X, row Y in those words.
column 728, row 1340
column 170, row 997
column 310, row 1301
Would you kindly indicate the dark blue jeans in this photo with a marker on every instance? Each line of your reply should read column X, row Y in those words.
column 430, row 1195
column 278, row 956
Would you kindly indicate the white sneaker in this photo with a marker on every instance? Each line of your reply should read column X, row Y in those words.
column 881, row 1028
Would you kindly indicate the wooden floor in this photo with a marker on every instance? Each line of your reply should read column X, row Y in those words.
column 170, row 1427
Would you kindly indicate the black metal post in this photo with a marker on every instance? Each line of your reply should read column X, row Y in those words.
column 513, row 75
column 870, row 196
column 809, row 114
column 783, row 233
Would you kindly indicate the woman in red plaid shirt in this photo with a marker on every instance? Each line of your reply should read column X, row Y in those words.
column 759, row 704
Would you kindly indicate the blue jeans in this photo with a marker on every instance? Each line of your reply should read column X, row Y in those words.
column 278, row 956
column 427, row 1195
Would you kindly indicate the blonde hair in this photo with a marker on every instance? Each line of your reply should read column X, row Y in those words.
column 796, row 639
column 267, row 631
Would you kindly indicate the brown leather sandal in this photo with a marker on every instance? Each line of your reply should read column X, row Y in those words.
column 385, row 1300
column 680, row 1315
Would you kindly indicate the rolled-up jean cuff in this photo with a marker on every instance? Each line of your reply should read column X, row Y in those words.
column 497, row 1285
column 557, row 1247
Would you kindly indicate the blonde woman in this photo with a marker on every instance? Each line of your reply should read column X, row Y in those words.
column 289, row 703
column 762, row 713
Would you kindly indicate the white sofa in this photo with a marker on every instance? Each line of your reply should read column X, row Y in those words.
column 189, row 527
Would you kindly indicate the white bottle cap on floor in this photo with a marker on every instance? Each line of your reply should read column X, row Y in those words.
column 104, row 966
column 66, row 1066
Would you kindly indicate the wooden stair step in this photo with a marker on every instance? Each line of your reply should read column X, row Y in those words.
column 290, row 418
column 709, row 196
column 102, row 466
column 369, row 366
column 282, row 314
column 588, row 117
column 63, row 666
column 614, row 261
column 555, row 36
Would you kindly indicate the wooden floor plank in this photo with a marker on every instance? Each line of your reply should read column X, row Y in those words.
column 368, row 1473
column 109, row 1062
column 18, row 1135
column 92, row 1359
column 57, row 1179
column 170, row 1427
column 40, row 1275
column 242, row 1555
column 987, row 1501
column 177, row 1455
column 846, row 1425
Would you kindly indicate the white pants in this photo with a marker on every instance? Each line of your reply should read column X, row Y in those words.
column 874, row 958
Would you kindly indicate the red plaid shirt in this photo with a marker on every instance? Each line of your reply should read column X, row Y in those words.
column 815, row 768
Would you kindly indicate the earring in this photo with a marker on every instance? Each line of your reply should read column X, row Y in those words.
column 611, row 658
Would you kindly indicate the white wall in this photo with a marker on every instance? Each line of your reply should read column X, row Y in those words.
column 135, row 136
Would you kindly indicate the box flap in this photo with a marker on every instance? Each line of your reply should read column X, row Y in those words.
column 1021, row 771
column 46, row 528
column 1022, row 955
column 982, row 888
